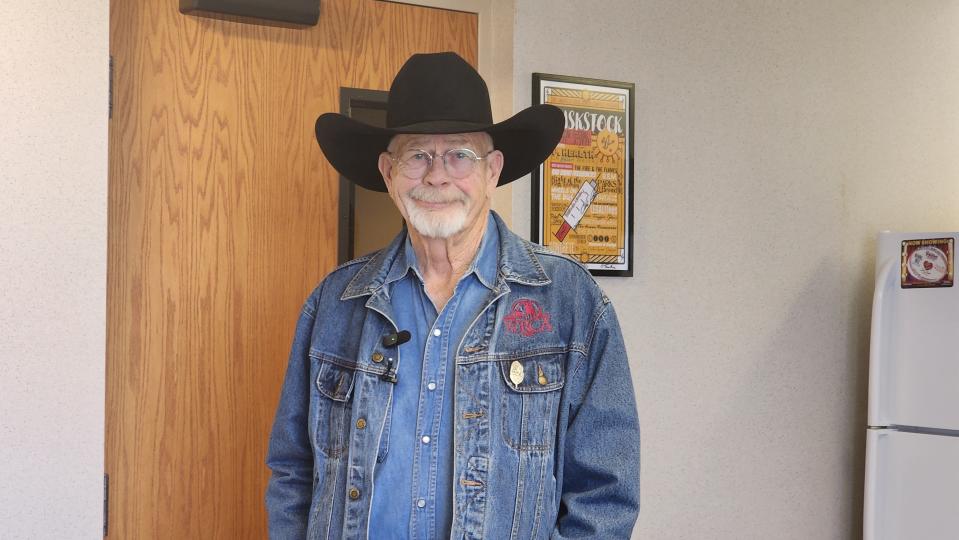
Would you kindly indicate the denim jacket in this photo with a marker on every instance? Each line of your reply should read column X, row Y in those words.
column 546, row 436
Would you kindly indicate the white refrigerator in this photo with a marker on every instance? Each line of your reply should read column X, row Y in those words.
column 912, row 432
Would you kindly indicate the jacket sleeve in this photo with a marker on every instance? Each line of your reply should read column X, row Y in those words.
column 290, row 455
column 600, row 477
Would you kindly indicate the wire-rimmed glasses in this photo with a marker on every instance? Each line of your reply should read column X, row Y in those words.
column 416, row 163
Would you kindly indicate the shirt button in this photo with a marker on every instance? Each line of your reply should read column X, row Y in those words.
column 425, row 439
column 431, row 386
column 377, row 357
column 420, row 503
column 354, row 493
column 361, row 423
column 437, row 332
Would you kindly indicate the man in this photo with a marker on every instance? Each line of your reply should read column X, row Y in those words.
column 461, row 382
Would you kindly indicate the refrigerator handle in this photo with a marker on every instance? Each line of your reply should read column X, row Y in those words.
column 875, row 342
column 871, row 492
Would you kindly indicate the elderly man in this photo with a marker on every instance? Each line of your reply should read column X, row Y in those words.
column 461, row 382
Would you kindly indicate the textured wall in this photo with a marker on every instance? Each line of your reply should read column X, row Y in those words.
column 53, row 180
column 499, row 78
column 773, row 140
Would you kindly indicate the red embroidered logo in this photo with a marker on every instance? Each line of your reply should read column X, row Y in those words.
column 527, row 318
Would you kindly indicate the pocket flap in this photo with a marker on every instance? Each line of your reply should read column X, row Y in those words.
column 334, row 382
column 534, row 373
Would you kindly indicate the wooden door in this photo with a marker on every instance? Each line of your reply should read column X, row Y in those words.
column 222, row 218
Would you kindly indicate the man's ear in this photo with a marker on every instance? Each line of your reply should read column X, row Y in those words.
column 385, row 164
column 494, row 166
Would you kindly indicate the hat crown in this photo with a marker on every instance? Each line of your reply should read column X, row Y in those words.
column 438, row 88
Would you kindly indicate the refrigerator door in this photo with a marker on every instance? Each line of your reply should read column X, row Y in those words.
column 914, row 347
column 912, row 486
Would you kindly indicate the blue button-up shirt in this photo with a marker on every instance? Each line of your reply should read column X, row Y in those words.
column 412, row 486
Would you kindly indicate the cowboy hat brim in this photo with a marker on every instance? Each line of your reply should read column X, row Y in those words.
column 526, row 140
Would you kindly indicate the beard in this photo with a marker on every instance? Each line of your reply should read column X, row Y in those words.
column 442, row 223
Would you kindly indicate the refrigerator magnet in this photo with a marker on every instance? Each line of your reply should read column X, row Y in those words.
column 927, row 262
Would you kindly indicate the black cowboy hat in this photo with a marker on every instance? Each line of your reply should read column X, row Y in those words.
column 437, row 94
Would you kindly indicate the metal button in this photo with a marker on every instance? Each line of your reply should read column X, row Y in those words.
column 437, row 332
column 377, row 357
column 431, row 386
column 420, row 503
column 425, row 439
column 354, row 493
column 361, row 423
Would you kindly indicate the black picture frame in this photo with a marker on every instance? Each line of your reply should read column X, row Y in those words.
column 595, row 110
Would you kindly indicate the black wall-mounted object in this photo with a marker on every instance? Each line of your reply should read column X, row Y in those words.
column 305, row 12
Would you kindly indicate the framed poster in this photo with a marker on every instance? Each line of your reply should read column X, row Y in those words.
column 582, row 203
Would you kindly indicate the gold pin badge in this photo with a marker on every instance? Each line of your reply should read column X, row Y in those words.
column 542, row 377
column 516, row 372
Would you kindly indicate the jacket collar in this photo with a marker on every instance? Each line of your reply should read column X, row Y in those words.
column 517, row 263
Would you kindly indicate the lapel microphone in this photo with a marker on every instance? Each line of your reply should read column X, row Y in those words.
column 393, row 340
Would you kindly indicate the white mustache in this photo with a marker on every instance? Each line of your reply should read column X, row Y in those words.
column 432, row 195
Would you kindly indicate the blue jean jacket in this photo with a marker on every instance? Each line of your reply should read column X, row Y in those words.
column 546, row 437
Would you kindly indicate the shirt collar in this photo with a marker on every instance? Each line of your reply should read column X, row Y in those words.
column 404, row 261
column 487, row 258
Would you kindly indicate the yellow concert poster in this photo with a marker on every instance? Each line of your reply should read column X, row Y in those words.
column 582, row 194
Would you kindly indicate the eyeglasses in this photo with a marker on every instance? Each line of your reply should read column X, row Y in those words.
column 416, row 163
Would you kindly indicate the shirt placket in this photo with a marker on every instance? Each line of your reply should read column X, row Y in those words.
column 433, row 386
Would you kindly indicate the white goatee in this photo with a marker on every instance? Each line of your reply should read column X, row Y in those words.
column 436, row 223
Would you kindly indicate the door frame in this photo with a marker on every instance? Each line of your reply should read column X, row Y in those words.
column 349, row 98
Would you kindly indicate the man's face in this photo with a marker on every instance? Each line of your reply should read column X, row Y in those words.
column 442, row 200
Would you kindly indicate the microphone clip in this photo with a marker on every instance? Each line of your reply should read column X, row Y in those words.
column 390, row 374
column 396, row 339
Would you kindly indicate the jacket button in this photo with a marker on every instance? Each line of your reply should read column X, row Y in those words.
column 354, row 493
column 377, row 357
column 361, row 423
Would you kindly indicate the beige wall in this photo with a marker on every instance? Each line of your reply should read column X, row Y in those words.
column 499, row 76
column 53, row 208
column 773, row 140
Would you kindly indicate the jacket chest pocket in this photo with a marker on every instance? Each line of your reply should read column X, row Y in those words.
column 331, row 407
column 530, row 401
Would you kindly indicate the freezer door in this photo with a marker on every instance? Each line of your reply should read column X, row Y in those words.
column 912, row 486
column 914, row 356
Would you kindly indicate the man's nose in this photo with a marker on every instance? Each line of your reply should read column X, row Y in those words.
column 436, row 172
